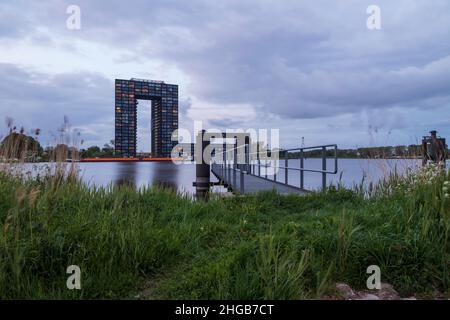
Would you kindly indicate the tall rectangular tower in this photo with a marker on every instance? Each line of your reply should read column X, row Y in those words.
column 164, row 113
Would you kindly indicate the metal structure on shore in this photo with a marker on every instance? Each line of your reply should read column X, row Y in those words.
column 434, row 149
column 243, row 171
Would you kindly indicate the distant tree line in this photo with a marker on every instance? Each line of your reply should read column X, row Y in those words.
column 411, row 151
column 17, row 146
column 21, row 147
column 97, row 152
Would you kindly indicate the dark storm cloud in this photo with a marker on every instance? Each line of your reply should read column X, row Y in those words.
column 295, row 59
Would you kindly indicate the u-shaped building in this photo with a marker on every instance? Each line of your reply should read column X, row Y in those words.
column 164, row 119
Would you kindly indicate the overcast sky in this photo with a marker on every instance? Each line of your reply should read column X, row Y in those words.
column 309, row 68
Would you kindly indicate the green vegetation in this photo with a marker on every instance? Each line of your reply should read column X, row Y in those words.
column 155, row 244
column 94, row 151
column 411, row 151
column 23, row 148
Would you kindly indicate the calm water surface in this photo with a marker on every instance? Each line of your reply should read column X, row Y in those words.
column 140, row 174
column 180, row 177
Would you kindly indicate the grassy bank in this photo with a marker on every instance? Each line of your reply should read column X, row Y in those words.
column 156, row 244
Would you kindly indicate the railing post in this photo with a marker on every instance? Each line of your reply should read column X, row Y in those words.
column 202, row 167
column 275, row 171
column 258, row 162
column 226, row 169
column 301, row 169
column 241, row 182
column 265, row 168
column 234, row 164
column 247, row 154
column 335, row 159
column 259, row 168
column 324, row 168
column 224, row 162
column 230, row 163
column 229, row 172
column 286, row 180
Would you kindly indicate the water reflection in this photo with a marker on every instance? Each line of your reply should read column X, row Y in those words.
column 181, row 177
column 166, row 175
column 126, row 174
column 143, row 174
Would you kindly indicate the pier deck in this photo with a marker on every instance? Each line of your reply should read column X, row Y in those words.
column 247, row 183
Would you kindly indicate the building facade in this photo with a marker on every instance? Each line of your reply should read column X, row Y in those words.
column 164, row 115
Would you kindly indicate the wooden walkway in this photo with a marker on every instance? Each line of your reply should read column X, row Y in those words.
column 250, row 182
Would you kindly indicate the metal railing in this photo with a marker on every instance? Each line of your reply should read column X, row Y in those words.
column 229, row 166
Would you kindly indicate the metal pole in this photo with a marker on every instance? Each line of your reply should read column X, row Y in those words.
column 286, row 180
column 224, row 162
column 301, row 169
column 258, row 161
column 202, row 169
column 228, row 170
column 241, row 182
column 275, row 169
column 234, row 164
column 247, row 154
column 335, row 159
column 259, row 168
column 226, row 166
column 265, row 168
column 324, row 168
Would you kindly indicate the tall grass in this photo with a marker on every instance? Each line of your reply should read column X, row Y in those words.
column 259, row 246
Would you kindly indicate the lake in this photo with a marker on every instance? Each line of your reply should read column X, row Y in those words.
column 180, row 177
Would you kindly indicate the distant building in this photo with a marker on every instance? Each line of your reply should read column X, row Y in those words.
column 164, row 120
